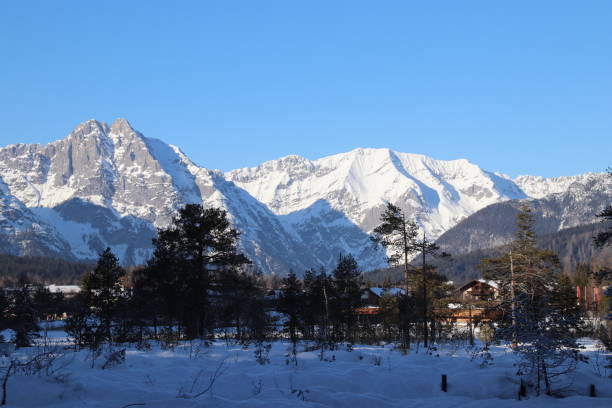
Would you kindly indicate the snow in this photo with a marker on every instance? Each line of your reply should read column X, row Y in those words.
column 367, row 376
column 122, row 170
column 358, row 182
column 53, row 288
column 172, row 160
column 539, row 187
column 391, row 291
column 75, row 233
column 490, row 283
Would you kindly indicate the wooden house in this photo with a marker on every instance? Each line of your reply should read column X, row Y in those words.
column 479, row 290
column 370, row 299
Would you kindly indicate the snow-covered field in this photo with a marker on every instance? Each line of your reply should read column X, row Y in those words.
column 366, row 376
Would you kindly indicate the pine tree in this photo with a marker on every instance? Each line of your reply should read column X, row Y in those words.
column 78, row 324
column 103, row 289
column 318, row 288
column 397, row 234
column 347, row 295
column 426, row 248
column 161, row 283
column 48, row 304
column 4, row 313
column 524, row 269
column 239, row 295
column 389, row 312
column 542, row 317
column 23, row 317
column 290, row 305
column 199, row 243
column 564, row 296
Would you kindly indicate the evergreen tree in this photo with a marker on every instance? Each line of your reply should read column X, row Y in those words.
column 290, row 305
column 199, row 243
column 23, row 317
column 47, row 304
column 160, row 285
column 426, row 248
column 545, row 341
column 347, row 296
column 318, row 288
column 145, row 303
column 541, row 316
column 78, row 325
column 397, row 234
column 4, row 313
column 564, row 296
column 389, row 312
column 432, row 294
column 103, row 290
column 524, row 269
column 239, row 294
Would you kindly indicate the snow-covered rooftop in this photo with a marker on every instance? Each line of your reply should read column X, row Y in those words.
column 63, row 288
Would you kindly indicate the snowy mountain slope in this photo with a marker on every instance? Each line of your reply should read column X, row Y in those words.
column 359, row 183
column 90, row 228
column 115, row 167
column 122, row 185
column 111, row 186
column 22, row 232
column 494, row 225
column 539, row 187
column 327, row 233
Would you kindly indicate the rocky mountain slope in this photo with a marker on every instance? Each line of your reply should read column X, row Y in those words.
column 111, row 186
column 577, row 204
column 360, row 183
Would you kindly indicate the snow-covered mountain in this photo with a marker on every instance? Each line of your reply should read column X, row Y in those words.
column 571, row 202
column 540, row 187
column 360, row 183
column 23, row 232
column 111, row 186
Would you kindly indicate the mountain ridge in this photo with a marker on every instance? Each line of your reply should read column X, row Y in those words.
column 295, row 213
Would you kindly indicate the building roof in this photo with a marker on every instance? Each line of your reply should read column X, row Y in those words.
column 63, row 288
column 391, row 291
column 468, row 285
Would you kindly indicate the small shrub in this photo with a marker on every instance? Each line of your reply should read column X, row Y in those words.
column 114, row 358
column 262, row 353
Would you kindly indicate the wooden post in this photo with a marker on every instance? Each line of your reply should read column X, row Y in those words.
column 444, row 384
column 592, row 392
column 522, row 391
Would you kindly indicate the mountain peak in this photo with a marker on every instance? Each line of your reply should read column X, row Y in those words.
column 88, row 127
column 121, row 125
column 283, row 206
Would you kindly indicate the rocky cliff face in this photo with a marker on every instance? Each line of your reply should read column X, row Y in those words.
column 111, row 186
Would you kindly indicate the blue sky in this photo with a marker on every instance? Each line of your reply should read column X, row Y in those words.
column 521, row 87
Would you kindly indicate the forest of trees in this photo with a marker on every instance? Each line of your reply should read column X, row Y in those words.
column 198, row 286
column 15, row 271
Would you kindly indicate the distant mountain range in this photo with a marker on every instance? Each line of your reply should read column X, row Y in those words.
column 111, row 186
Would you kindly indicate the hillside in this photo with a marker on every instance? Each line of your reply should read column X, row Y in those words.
column 573, row 245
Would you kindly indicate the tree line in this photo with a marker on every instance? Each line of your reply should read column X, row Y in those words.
column 198, row 286
column 17, row 271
